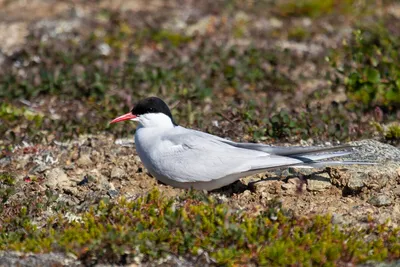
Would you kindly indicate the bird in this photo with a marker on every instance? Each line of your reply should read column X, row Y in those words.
column 191, row 159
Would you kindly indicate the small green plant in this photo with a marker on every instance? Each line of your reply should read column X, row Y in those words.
column 7, row 179
column 298, row 33
column 390, row 133
column 283, row 125
column 312, row 8
column 393, row 133
column 7, row 188
column 371, row 69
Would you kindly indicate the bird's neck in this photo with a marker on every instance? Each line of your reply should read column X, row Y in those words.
column 152, row 120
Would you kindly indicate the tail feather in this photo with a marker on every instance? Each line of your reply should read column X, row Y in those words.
column 322, row 164
column 308, row 157
column 313, row 158
column 289, row 151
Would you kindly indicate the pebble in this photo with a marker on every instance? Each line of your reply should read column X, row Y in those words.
column 4, row 162
column 56, row 178
column 318, row 182
column 288, row 186
column 41, row 168
column 118, row 173
column 380, row 200
column 356, row 181
column 84, row 160
column 113, row 193
column 396, row 191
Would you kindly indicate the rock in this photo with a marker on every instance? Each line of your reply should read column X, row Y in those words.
column 380, row 200
column 118, row 173
column 113, row 193
column 318, row 182
column 356, row 181
column 202, row 26
column 372, row 150
column 84, row 160
column 41, row 168
column 71, row 191
column 56, row 178
column 22, row 162
column 4, row 162
column 301, row 171
column 338, row 218
column 14, row 258
column 126, row 142
column 355, row 178
column 270, row 185
column 396, row 191
column 288, row 187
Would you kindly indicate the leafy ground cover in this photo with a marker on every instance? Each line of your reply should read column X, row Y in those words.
column 154, row 227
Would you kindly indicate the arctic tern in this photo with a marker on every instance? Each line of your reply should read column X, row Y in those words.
column 187, row 158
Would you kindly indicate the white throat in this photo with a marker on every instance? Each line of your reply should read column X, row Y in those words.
column 159, row 120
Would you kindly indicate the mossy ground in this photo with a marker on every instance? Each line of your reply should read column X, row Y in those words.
column 287, row 71
column 154, row 227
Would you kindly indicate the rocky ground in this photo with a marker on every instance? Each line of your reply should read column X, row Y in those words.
column 83, row 171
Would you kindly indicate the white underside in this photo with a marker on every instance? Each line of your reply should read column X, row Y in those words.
column 210, row 185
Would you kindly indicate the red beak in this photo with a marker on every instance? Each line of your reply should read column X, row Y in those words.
column 124, row 117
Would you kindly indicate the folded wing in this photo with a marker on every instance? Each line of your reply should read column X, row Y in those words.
column 197, row 156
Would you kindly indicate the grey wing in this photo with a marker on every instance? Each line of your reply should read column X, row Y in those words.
column 193, row 156
column 306, row 153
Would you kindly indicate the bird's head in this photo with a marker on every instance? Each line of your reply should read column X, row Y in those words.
column 149, row 112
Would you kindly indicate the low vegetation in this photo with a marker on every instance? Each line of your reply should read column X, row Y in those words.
column 153, row 227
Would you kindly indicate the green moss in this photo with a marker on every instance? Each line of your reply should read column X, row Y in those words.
column 154, row 226
column 298, row 33
column 393, row 133
column 9, row 112
column 312, row 8
column 371, row 69
column 7, row 188
column 7, row 179
column 175, row 39
column 390, row 133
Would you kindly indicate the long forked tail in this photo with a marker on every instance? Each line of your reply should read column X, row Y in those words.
column 307, row 157
column 314, row 156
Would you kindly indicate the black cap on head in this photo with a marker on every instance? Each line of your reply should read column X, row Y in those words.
column 152, row 105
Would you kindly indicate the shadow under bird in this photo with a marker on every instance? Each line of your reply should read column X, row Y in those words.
column 187, row 158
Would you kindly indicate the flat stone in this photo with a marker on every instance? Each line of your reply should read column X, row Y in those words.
column 357, row 181
column 380, row 200
column 318, row 182
column 113, row 193
column 56, row 178
column 84, row 160
column 4, row 162
column 396, row 191
column 288, row 186
column 271, row 186
column 118, row 173
column 15, row 258
column 41, row 168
